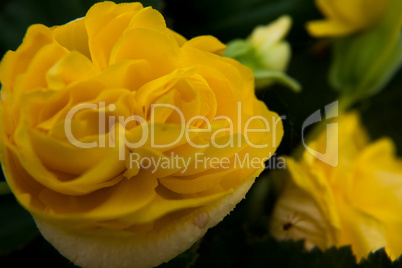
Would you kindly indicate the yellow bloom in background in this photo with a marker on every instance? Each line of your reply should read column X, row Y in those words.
column 75, row 102
column 345, row 17
column 357, row 203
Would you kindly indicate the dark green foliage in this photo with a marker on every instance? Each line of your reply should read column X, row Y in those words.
column 16, row 226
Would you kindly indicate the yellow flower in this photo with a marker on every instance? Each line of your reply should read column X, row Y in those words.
column 357, row 203
column 345, row 17
column 124, row 140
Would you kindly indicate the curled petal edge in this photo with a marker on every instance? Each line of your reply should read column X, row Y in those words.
column 146, row 249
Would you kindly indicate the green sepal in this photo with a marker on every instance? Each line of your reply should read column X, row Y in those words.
column 365, row 62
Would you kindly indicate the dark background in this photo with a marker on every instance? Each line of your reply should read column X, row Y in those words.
column 241, row 240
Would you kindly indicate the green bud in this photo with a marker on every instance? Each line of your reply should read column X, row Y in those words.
column 364, row 63
column 266, row 53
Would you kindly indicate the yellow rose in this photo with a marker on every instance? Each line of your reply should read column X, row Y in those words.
column 273, row 51
column 357, row 203
column 267, row 53
column 345, row 17
column 125, row 141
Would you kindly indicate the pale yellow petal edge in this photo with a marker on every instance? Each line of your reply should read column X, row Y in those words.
column 142, row 250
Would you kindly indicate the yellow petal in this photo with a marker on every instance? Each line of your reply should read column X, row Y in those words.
column 127, row 196
column 298, row 216
column 329, row 28
column 105, row 22
column 73, row 67
column 394, row 238
column 17, row 62
column 121, row 74
column 319, row 188
column 100, row 14
column 43, row 61
column 157, row 48
column 95, row 178
column 156, row 88
column 181, row 40
column 148, row 18
column 139, row 249
column 346, row 17
column 189, row 186
column 73, row 36
column 65, row 157
column 378, row 184
column 364, row 233
column 6, row 71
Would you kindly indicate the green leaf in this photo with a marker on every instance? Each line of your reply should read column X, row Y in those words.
column 238, row 48
column 365, row 62
column 243, row 51
column 17, row 227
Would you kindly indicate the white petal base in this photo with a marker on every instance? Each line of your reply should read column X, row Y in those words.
column 142, row 250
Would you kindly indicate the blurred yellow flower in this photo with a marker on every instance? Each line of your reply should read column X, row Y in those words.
column 85, row 148
column 357, row 203
column 345, row 17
